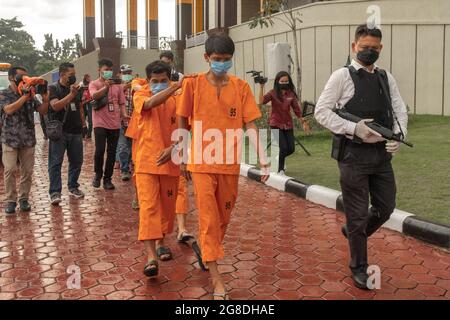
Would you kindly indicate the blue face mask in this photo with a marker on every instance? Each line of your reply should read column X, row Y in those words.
column 220, row 68
column 158, row 87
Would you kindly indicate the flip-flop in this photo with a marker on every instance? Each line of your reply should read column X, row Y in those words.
column 224, row 295
column 185, row 237
column 151, row 272
column 162, row 251
column 198, row 253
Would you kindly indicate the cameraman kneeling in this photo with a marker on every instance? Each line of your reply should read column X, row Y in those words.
column 283, row 98
column 18, row 138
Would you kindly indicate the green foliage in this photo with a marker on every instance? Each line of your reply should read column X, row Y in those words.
column 18, row 48
column 270, row 7
column 422, row 173
column 54, row 53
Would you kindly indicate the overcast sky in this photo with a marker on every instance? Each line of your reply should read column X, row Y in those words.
column 64, row 18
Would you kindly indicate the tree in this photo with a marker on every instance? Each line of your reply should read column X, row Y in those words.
column 17, row 46
column 55, row 52
column 266, row 18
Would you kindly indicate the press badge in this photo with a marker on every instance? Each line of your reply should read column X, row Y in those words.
column 73, row 107
column 111, row 107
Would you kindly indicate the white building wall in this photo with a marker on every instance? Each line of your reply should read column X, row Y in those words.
column 416, row 39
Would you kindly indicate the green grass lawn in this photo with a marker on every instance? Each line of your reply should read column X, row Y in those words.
column 422, row 173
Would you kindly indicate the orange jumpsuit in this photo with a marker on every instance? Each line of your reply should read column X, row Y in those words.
column 182, row 205
column 157, row 186
column 216, row 182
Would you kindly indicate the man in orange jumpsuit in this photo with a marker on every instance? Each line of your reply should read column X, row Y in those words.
column 216, row 103
column 132, row 133
column 157, row 183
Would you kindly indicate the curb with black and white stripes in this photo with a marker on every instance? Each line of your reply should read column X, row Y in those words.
column 400, row 221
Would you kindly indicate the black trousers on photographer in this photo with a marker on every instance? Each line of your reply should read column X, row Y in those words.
column 105, row 140
column 366, row 171
column 285, row 139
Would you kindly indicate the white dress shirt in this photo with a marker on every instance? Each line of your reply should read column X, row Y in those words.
column 340, row 89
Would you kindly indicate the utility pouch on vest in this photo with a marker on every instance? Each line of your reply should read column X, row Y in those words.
column 338, row 147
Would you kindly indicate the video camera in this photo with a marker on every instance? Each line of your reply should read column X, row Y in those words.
column 256, row 75
column 175, row 76
column 37, row 85
column 308, row 108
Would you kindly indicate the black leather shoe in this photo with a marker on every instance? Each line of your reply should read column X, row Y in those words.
column 344, row 230
column 108, row 185
column 24, row 205
column 360, row 280
column 96, row 183
column 10, row 208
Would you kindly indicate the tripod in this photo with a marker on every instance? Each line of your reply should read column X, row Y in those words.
column 297, row 142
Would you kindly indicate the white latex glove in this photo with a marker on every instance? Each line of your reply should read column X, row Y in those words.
column 374, row 139
column 393, row 147
column 366, row 134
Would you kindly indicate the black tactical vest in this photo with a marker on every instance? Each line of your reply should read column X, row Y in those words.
column 369, row 101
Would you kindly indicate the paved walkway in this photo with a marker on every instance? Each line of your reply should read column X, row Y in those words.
column 278, row 247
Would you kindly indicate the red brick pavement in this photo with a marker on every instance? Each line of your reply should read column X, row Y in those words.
column 277, row 247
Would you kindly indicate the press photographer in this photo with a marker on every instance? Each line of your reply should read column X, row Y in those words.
column 123, row 154
column 283, row 98
column 108, row 112
column 18, row 103
column 169, row 58
column 64, row 130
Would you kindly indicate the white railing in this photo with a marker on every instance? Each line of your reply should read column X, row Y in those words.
column 197, row 39
column 146, row 42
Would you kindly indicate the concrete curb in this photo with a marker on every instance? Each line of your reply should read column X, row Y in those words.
column 400, row 221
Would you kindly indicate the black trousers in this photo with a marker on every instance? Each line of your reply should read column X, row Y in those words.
column 43, row 125
column 105, row 139
column 287, row 146
column 366, row 175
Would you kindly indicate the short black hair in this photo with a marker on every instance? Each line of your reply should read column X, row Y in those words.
column 364, row 30
column 105, row 62
column 65, row 66
column 158, row 67
column 12, row 72
column 219, row 43
column 167, row 54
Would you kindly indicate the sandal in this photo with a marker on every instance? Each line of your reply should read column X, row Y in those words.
column 151, row 269
column 198, row 253
column 164, row 251
column 224, row 296
column 185, row 237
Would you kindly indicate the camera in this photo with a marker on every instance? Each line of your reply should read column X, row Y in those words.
column 308, row 108
column 116, row 80
column 175, row 76
column 36, row 85
column 258, row 77
column 42, row 88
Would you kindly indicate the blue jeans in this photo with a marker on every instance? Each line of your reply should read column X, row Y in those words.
column 73, row 143
column 124, row 151
column 88, row 115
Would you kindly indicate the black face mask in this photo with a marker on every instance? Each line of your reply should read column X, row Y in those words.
column 18, row 79
column 71, row 80
column 285, row 86
column 368, row 56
